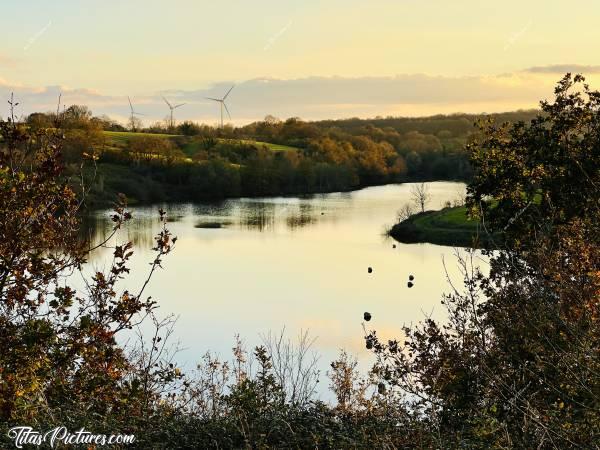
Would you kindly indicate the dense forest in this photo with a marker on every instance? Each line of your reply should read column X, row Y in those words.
column 191, row 162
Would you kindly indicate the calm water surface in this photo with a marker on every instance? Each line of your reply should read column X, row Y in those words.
column 298, row 263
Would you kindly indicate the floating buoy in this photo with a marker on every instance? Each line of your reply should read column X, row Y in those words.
column 367, row 316
column 370, row 270
column 411, row 278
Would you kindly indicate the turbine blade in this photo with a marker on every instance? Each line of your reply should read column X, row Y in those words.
column 225, row 105
column 230, row 89
column 213, row 99
column 167, row 102
column 130, row 105
column 177, row 106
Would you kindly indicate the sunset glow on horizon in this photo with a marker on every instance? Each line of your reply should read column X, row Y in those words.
column 447, row 54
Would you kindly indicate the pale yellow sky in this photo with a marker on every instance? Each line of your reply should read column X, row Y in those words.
column 141, row 48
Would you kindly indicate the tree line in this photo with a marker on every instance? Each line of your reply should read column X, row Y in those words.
column 190, row 161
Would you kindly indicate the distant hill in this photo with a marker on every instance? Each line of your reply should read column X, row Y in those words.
column 456, row 124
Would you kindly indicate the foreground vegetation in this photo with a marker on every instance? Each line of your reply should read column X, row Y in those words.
column 514, row 365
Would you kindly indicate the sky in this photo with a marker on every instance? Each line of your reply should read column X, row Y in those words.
column 314, row 59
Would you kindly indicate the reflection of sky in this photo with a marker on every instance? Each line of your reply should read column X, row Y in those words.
column 294, row 263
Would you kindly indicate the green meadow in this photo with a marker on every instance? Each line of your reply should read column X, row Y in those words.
column 122, row 138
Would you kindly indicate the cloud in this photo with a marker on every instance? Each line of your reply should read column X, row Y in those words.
column 410, row 94
column 564, row 68
column 316, row 97
column 45, row 98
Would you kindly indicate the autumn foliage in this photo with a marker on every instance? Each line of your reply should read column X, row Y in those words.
column 58, row 347
column 517, row 364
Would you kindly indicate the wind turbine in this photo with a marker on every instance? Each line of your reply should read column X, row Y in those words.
column 133, row 114
column 222, row 102
column 172, row 108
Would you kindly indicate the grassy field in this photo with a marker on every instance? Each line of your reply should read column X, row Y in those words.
column 121, row 138
column 273, row 147
column 450, row 226
column 192, row 147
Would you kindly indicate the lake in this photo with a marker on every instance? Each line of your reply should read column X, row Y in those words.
column 288, row 262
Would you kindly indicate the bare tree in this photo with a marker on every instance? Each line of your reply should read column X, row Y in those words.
column 420, row 195
column 294, row 365
column 405, row 212
column 459, row 198
column 134, row 124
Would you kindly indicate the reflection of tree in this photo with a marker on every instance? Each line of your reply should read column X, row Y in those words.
column 140, row 230
column 253, row 215
column 305, row 216
column 174, row 219
column 224, row 208
column 258, row 215
column 299, row 221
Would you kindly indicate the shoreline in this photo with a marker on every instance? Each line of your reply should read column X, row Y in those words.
column 103, row 203
column 448, row 227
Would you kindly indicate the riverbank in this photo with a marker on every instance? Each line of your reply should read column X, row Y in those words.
column 108, row 180
column 449, row 226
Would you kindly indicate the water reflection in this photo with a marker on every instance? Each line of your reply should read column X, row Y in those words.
column 304, row 218
column 141, row 231
column 257, row 215
column 171, row 219
column 299, row 263
column 262, row 215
